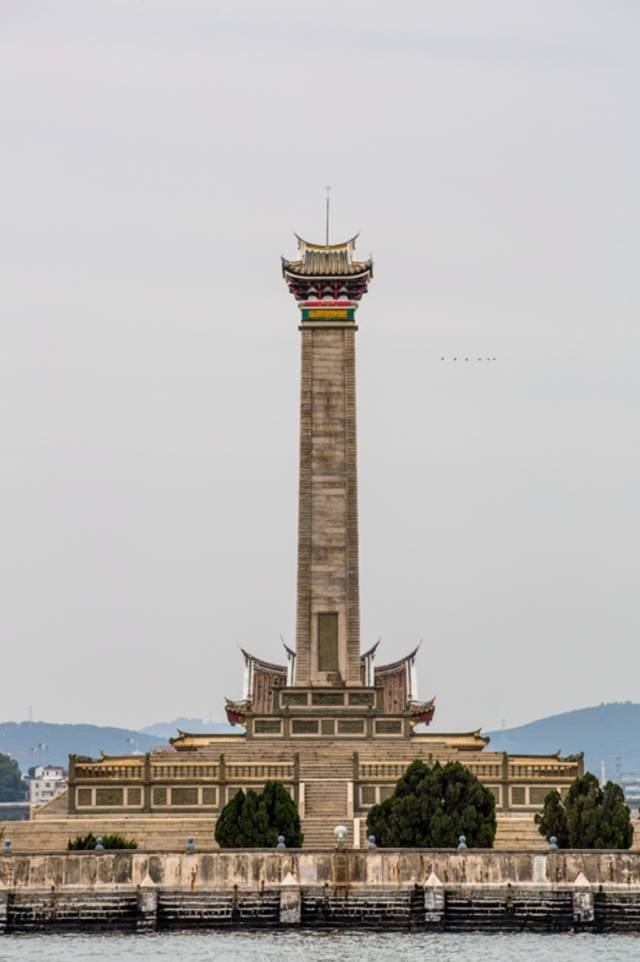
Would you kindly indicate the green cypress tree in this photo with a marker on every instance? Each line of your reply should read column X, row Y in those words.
column 256, row 820
column 616, row 817
column 589, row 816
column 248, row 827
column 226, row 831
column 433, row 807
column 552, row 821
column 583, row 806
column 280, row 816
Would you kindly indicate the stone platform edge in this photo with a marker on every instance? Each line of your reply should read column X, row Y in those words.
column 383, row 888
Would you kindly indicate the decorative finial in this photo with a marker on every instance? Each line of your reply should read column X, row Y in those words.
column 327, row 232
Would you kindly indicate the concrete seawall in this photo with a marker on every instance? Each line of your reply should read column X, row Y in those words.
column 385, row 889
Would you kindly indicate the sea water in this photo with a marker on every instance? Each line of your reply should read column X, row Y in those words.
column 319, row 947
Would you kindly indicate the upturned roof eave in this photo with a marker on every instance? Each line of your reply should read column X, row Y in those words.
column 267, row 665
column 365, row 269
column 394, row 665
column 343, row 245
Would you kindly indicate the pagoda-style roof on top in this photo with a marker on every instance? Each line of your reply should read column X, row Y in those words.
column 326, row 260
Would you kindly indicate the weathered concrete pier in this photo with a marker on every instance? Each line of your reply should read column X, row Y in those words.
column 384, row 889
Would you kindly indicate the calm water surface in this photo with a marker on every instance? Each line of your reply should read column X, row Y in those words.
column 319, row 947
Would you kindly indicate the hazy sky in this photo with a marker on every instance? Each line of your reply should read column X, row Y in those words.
column 156, row 156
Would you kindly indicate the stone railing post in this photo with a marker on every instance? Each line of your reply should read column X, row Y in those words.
column 296, row 779
column 222, row 779
column 506, row 798
column 146, row 788
column 355, row 790
column 71, row 786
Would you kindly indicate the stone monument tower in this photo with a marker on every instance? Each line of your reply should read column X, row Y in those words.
column 328, row 283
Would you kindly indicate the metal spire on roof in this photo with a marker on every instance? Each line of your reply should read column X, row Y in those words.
column 327, row 231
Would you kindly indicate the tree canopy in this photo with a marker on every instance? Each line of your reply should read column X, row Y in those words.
column 433, row 807
column 255, row 820
column 12, row 787
column 589, row 817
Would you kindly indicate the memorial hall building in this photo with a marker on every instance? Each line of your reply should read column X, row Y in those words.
column 336, row 724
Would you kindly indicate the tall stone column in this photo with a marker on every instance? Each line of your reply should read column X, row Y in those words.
column 328, row 283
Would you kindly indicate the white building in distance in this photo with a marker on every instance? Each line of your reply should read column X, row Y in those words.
column 47, row 782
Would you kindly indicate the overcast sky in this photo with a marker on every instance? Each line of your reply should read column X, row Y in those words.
column 156, row 155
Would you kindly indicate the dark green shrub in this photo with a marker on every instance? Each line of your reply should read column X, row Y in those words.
column 589, row 817
column 433, row 807
column 255, row 820
column 84, row 843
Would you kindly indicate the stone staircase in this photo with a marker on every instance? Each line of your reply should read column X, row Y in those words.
column 319, row 833
column 326, row 799
column 326, row 760
column 327, row 774
column 518, row 832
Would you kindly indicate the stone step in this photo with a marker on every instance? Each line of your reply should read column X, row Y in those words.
column 319, row 832
column 326, row 798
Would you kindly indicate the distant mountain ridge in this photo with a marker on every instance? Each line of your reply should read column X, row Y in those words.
column 604, row 732
column 607, row 732
column 41, row 743
column 195, row 725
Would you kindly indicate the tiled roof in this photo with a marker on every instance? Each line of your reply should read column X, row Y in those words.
column 332, row 261
column 326, row 264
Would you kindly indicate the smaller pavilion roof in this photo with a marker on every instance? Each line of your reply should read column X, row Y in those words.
column 333, row 260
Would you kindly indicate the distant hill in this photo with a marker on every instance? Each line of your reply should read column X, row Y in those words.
column 38, row 743
column 602, row 732
column 169, row 729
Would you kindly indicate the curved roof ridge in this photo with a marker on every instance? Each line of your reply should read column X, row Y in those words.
column 370, row 651
column 399, row 662
column 327, row 247
column 267, row 665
